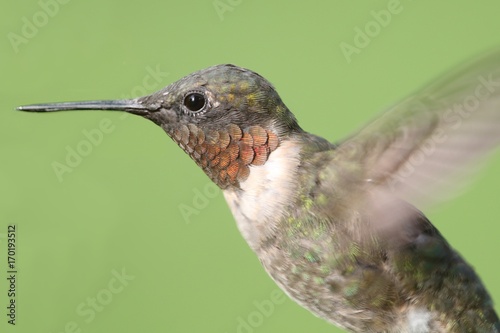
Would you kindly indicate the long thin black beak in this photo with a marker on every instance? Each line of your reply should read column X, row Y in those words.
column 125, row 105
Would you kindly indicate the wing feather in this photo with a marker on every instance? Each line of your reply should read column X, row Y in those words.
column 433, row 139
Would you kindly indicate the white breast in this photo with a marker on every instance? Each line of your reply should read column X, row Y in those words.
column 265, row 194
column 420, row 320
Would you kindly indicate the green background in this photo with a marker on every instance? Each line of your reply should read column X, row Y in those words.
column 119, row 208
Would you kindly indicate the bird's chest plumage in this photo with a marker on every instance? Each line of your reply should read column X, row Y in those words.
column 288, row 221
column 266, row 195
column 276, row 215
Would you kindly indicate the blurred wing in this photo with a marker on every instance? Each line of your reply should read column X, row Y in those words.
column 416, row 152
column 422, row 145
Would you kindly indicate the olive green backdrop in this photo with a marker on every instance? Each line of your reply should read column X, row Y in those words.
column 117, row 229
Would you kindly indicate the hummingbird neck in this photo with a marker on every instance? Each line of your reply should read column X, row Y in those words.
column 272, row 191
column 226, row 155
column 266, row 194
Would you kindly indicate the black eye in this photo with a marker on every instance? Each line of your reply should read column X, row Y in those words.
column 194, row 101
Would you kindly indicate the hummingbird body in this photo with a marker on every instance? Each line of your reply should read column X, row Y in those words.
column 315, row 250
column 334, row 224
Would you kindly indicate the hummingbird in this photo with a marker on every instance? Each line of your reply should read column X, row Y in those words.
column 336, row 225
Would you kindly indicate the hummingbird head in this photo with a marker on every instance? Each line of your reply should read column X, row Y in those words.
column 226, row 118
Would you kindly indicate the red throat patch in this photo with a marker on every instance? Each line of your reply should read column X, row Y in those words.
column 226, row 155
